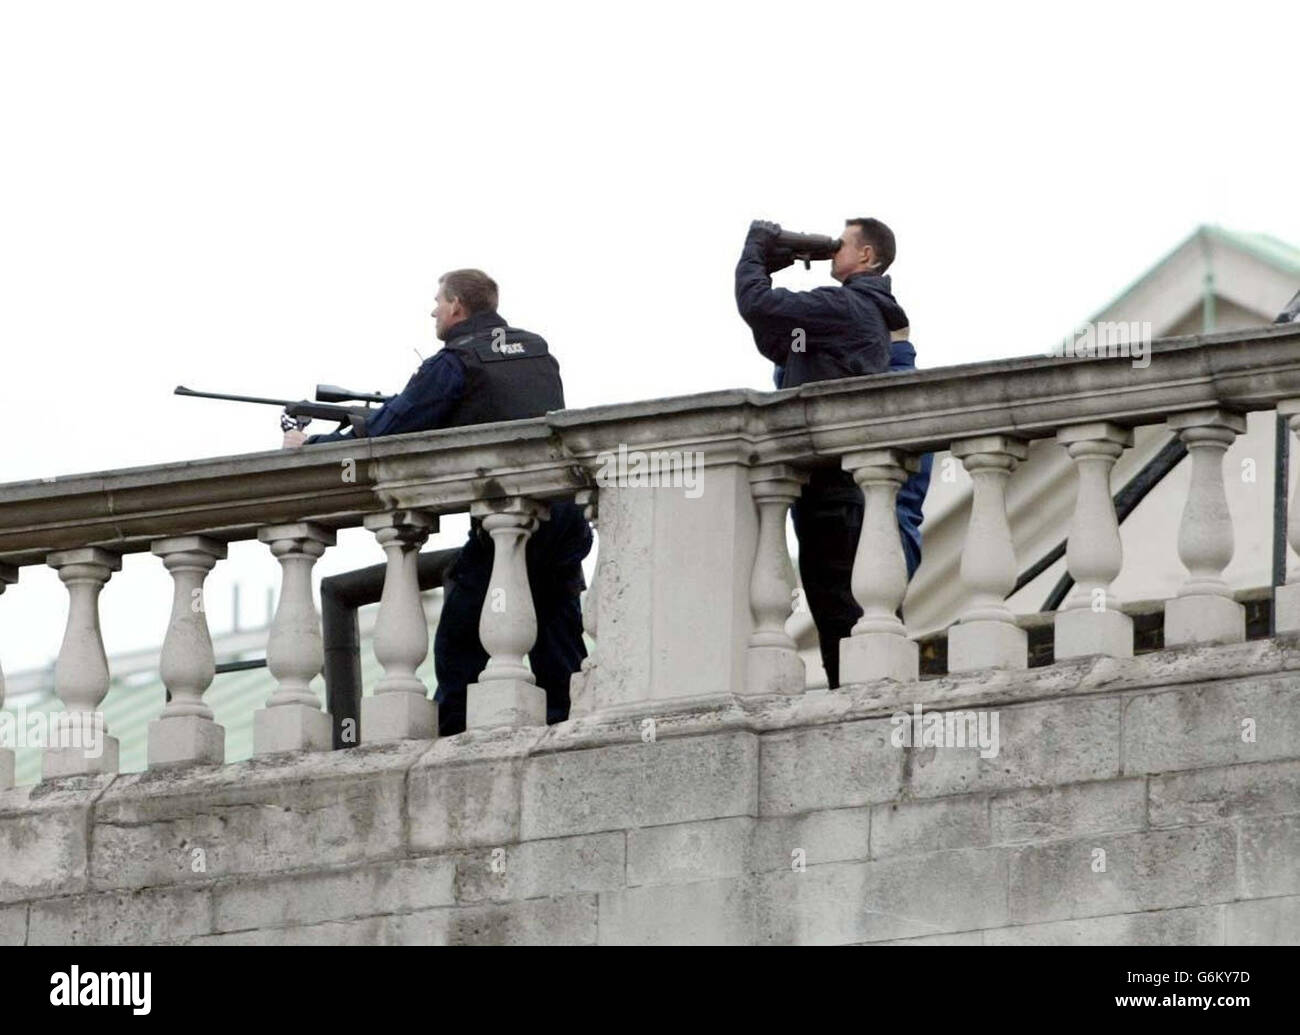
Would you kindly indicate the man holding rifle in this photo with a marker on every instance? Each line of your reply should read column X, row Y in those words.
column 821, row 335
column 488, row 371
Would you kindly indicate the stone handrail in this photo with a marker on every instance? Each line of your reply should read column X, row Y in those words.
column 693, row 581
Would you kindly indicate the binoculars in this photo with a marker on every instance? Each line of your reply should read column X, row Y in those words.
column 807, row 248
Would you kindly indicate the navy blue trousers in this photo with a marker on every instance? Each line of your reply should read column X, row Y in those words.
column 827, row 522
column 553, row 557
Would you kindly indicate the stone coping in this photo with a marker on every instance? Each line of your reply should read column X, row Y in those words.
column 554, row 456
column 1158, row 671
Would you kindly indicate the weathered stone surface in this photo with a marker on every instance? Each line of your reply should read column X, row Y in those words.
column 718, row 912
column 13, row 924
column 1198, row 925
column 504, row 702
column 43, row 837
column 1039, row 744
column 1197, row 727
column 423, row 927
column 1270, row 856
column 900, row 897
column 565, row 866
column 266, row 815
column 829, row 767
column 539, row 921
column 1263, row 921
column 311, row 898
column 662, row 636
column 836, row 835
column 745, row 821
column 907, row 828
column 1047, row 813
column 1158, row 869
column 640, row 785
column 130, row 508
column 542, row 921
column 713, row 849
column 957, row 938
column 148, row 917
column 688, row 852
column 455, row 806
column 374, row 930
column 1204, row 795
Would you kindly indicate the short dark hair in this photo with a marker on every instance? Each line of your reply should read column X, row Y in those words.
column 475, row 290
column 879, row 236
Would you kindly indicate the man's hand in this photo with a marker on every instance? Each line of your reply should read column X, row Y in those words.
column 764, row 233
column 292, row 428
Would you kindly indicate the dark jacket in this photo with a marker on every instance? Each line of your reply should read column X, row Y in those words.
column 510, row 373
column 831, row 482
column 818, row 335
column 911, row 494
column 487, row 372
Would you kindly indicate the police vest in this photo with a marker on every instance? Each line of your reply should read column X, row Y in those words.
column 509, row 375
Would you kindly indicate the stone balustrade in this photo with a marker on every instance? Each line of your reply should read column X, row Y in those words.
column 694, row 580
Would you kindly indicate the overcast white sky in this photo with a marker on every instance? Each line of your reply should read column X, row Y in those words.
column 254, row 197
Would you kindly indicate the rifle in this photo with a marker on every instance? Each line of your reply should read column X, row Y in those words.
column 301, row 413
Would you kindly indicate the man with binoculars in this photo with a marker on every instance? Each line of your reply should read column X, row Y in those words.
column 820, row 335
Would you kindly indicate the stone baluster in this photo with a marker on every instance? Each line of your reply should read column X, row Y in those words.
column 1204, row 610
column 1090, row 621
column 772, row 662
column 879, row 647
column 400, row 708
column 8, row 575
column 186, row 731
column 295, row 654
column 987, row 635
column 581, row 682
column 506, row 693
column 79, row 742
column 1286, row 598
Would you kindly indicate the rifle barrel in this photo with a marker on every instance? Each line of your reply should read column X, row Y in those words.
column 182, row 390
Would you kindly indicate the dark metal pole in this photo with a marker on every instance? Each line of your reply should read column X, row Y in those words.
column 340, row 597
column 1126, row 500
column 342, row 636
column 1281, row 466
column 239, row 666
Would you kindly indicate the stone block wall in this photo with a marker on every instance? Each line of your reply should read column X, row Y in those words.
column 1143, row 801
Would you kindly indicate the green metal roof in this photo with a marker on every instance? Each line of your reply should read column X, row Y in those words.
column 233, row 697
column 132, row 704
